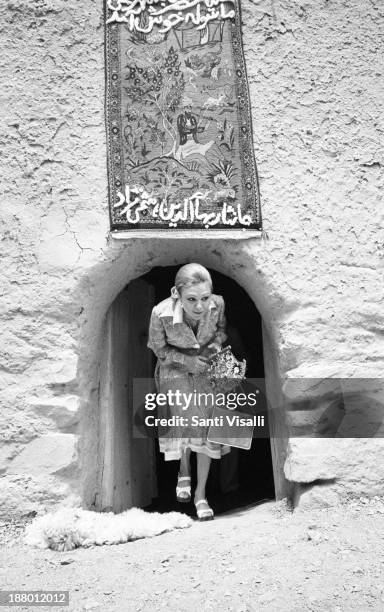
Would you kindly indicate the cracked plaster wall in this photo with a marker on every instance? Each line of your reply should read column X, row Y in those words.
column 316, row 87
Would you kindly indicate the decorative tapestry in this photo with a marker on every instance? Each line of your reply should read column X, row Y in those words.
column 180, row 150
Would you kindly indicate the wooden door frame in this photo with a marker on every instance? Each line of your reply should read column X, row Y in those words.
column 106, row 464
column 119, row 478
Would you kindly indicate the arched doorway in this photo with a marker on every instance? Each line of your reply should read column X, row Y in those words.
column 134, row 472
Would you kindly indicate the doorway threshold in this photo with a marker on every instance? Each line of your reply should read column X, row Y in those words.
column 240, row 510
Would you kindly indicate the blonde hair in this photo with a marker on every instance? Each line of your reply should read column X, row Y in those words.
column 192, row 274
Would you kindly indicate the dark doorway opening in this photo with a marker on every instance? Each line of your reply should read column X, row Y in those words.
column 243, row 477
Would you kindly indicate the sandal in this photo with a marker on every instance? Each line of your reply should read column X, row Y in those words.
column 183, row 493
column 205, row 514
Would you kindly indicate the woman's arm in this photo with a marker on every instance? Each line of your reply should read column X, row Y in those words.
column 157, row 342
column 169, row 355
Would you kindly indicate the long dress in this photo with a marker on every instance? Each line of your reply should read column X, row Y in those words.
column 171, row 338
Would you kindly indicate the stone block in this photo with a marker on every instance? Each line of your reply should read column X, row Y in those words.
column 62, row 410
column 60, row 368
column 49, row 454
column 7, row 453
column 311, row 459
column 318, row 496
column 21, row 495
column 356, row 465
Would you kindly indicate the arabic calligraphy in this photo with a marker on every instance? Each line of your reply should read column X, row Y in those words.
column 136, row 201
column 168, row 14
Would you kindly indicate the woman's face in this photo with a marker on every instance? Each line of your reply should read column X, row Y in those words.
column 195, row 299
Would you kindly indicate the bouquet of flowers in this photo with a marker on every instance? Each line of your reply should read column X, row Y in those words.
column 225, row 372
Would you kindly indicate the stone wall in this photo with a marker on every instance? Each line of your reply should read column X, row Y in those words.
column 316, row 89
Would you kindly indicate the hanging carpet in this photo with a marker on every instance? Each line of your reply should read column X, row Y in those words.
column 179, row 132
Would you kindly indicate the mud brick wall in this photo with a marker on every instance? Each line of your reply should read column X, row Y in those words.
column 316, row 84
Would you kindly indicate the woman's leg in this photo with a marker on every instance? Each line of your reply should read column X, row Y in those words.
column 185, row 466
column 183, row 488
column 203, row 465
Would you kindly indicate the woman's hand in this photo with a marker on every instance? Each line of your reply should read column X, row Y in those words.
column 196, row 365
column 214, row 348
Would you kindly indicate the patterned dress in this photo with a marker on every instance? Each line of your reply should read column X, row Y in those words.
column 172, row 339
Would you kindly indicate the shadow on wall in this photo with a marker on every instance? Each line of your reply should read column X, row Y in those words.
column 338, row 414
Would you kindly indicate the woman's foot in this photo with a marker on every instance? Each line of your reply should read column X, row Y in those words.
column 203, row 510
column 183, row 489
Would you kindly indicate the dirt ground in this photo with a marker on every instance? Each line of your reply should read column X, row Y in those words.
column 260, row 558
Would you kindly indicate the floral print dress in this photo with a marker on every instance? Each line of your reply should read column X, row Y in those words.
column 172, row 339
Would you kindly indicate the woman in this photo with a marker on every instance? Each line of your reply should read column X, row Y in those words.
column 185, row 330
